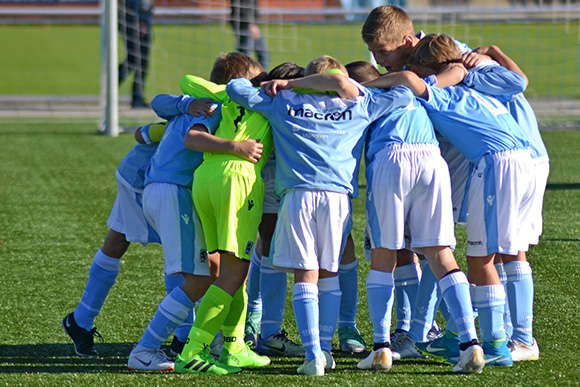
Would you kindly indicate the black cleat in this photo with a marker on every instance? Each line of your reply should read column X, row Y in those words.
column 82, row 339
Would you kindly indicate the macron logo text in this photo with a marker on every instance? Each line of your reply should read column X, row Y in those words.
column 307, row 113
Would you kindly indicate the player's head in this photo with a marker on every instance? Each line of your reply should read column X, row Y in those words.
column 286, row 70
column 362, row 71
column 432, row 53
column 389, row 34
column 323, row 64
column 236, row 65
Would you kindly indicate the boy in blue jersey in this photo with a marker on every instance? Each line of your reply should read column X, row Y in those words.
column 168, row 207
column 500, row 187
column 515, row 271
column 319, row 139
column 409, row 205
column 126, row 224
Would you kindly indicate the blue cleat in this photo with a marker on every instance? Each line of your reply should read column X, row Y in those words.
column 443, row 348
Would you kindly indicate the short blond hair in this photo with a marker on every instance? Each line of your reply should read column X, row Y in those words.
column 235, row 65
column 323, row 64
column 434, row 51
column 387, row 24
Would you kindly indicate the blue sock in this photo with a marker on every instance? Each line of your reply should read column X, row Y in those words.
column 273, row 283
column 348, row 277
column 102, row 277
column 407, row 280
column 489, row 300
column 253, row 289
column 329, row 295
column 507, row 318
column 455, row 289
column 182, row 331
column 172, row 311
column 380, row 296
column 425, row 307
column 305, row 303
column 520, row 292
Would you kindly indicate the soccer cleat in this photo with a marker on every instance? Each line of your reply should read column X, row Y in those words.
column 380, row 359
column 434, row 334
column 252, row 328
column 314, row 367
column 470, row 361
column 329, row 363
column 203, row 363
column 523, row 352
column 176, row 346
column 443, row 348
column 496, row 353
column 83, row 340
column 403, row 347
column 149, row 359
column 217, row 345
column 279, row 345
column 246, row 358
column 351, row 340
column 396, row 333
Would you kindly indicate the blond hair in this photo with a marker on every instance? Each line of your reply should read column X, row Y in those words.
column 323, row 64
column 434, row 51
column 387, row 24
column 235, row 65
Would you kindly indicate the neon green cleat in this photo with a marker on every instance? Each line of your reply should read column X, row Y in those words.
column 246, row 358
column 203, row 363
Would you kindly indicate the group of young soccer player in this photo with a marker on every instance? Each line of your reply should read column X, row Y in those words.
column 447, row 138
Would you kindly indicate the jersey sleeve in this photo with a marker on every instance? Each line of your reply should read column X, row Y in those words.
column 386, row 102
column 153, row 133
column 495, row 80
column 168, row 106
column 200, row 88
column 244, row 94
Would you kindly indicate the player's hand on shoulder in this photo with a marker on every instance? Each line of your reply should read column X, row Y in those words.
column 473, row 58
column 272, row 87
column 250, row 150
column 202, row 107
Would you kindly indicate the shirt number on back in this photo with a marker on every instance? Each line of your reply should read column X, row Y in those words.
column 239, row 118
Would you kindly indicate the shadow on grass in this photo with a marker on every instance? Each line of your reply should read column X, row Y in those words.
column 563, row 187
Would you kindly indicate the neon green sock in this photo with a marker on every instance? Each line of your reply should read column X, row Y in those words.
column 212, row 311
column 235, row 322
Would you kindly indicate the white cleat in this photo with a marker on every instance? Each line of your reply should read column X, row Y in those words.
column 314, row 367
column 523, row 352
column 329, row 363
column 471, row 360
column 148, row 359
column 380, row 359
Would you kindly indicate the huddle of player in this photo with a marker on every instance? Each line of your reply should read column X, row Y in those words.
column 491, row 178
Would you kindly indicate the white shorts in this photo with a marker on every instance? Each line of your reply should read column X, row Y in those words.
column 127, row 216
column 311, row 230
column 271, row 201
column 499, row 212
column 541, row 172
column 169, row 209
column 409, row 193
column 459, row 171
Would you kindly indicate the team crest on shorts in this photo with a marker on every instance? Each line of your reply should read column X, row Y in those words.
column 249, row 247
column 203, row 256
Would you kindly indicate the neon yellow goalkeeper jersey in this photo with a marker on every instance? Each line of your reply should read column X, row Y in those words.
column 237, row 123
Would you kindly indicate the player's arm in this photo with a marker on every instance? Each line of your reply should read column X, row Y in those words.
column 199, row 139
column 322, row 82
column 401, row 78
column 242, row 92
column 450, row 75
column 498, row 55
column 495, row 80
column 168, row 106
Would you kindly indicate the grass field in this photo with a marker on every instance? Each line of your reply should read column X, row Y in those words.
column 57, row 187
column 65, row 60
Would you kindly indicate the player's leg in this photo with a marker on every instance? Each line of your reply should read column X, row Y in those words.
column 350, row 339
column 407, row 278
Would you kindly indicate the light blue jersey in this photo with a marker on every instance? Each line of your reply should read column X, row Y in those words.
column 475, row 123
column 404, row 125
column 132, row 168
column 318, row 138
column 496, row 80
column 173, row 162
